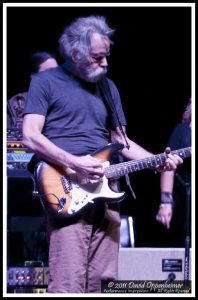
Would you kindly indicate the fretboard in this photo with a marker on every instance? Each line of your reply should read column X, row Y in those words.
column 124, row 168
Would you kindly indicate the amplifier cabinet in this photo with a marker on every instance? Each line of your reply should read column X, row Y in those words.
column 27, row 276
column 152, row 264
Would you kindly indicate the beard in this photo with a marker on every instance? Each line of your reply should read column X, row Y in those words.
column 89, row 74
column 95, row 75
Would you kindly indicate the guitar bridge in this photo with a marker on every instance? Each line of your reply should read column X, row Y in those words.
column 67, row 185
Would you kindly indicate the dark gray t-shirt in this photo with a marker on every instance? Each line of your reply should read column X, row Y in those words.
column 77, row 118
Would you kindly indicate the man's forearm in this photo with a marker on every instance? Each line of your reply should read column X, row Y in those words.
column 40, row 145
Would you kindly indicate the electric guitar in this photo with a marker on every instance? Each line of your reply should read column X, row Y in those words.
column 64, row 193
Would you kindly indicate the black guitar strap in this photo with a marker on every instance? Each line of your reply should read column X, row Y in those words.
column 106, row 94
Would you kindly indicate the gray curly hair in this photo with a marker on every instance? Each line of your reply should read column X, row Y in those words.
column 187, row 113
column 77, row 36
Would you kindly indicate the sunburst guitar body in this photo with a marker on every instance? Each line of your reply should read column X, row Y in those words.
column 64, row 193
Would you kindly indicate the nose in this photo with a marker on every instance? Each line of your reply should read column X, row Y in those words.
column 104, row 62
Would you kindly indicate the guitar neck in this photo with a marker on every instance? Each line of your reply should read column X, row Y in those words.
column 124, row 168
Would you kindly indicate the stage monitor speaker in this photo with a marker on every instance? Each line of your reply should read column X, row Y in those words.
column 152, row 264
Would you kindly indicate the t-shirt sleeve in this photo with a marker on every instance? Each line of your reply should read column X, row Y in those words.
column 176, row 137
column 37, row 97
column 119, row 112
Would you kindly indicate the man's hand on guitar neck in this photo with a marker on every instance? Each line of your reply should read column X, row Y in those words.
column 171, row 163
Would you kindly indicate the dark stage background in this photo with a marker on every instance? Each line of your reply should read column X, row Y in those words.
column 150, row 62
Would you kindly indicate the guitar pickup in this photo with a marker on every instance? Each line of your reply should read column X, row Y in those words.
column 92, row 181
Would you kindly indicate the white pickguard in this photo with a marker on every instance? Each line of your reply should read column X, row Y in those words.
column 87, row 191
